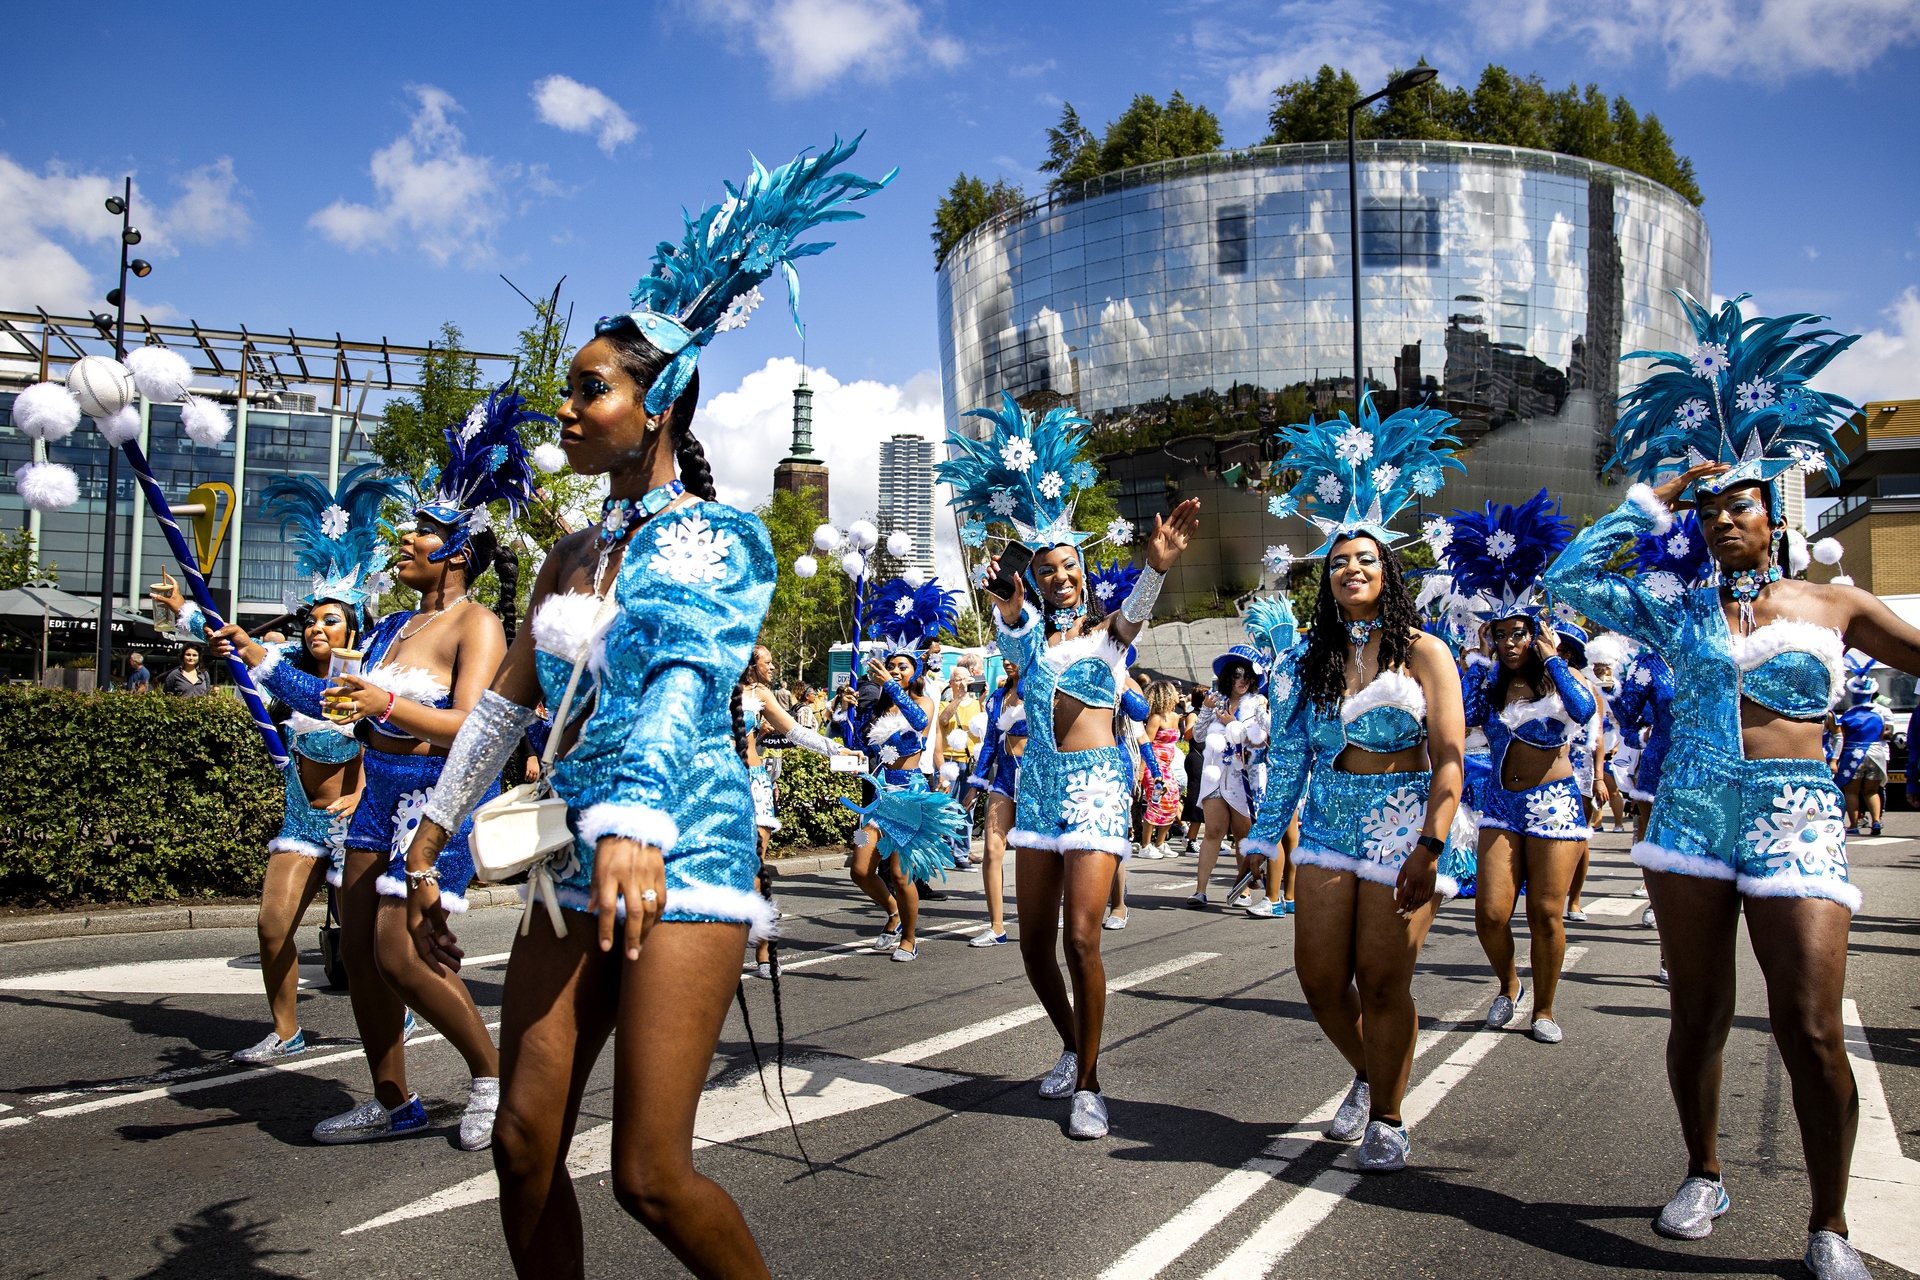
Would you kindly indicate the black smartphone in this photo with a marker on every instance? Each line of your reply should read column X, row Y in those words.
column 1013, row 562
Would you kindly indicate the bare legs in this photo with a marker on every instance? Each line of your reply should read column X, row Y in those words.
column 292, row 881
column 1801, row 944
column 379, row 1013
column 1579, row 883
column 1547, row 867
column 1222, row 820
column 1082, row 878
column 1355, row 955
column 441, row 998
column 563, row 998
column 993, row 860
column 863, row 867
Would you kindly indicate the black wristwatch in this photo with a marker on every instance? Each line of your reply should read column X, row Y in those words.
column 1434, row 843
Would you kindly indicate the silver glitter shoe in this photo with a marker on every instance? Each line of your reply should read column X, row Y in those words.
column 1830, row 1257
column 1501, row 1012
column 1690, row 1214
column 371, row 1120
column 476, row 1126
column 273, row 1047
column 1089, row 1118
column 1351, row 1118
column 1547, row 1031
column 887, row 941
column 1059, row 1081
column 1384, row 1149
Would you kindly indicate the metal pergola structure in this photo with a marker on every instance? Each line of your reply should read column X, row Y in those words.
column 253, row 365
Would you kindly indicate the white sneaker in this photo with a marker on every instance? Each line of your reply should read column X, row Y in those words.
column 1114, row 922
column 1261, row 909
column 476, row 1126
column 1241, row 901
column 1150, row 853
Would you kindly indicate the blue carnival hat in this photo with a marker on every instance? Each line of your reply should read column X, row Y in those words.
column 1671, row 563
column 1575, row 634
column 1112, row 583
column 1270, row 624
column 906, row 617
column 336, row 537
column 1496, row 556
column 711, row 282
column 1242, row 653
column 1861, row 686
column 1027, row 472
column 1741, row 398
column 1355, row 477
column 486, row 462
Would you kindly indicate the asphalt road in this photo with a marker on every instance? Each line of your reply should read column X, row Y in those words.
column 132, row 1148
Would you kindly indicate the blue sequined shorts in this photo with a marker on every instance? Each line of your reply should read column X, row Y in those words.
column 1778, row 829
column 1366, row 823
column 309, row 831
column 1006, row 775
column 395, row 799
column 762, row 786
column 1550, row 811
column 1074, row 800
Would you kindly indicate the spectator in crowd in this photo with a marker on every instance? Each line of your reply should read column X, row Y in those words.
column 187, row 680
column 805, row 713
column 139, row 679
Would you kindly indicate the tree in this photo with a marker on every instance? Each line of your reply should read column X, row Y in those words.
column 20, row 562
column 969, row 202
column 1146, row 132
column 804, row 618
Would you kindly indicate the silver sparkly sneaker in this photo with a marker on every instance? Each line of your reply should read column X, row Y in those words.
column 476, row 1126
column 1500, row 1013
column 273, row 1048
column 1351, row 1118
column 371, row 1120
column 1384, row 1149
column 1089, row 1118
column 1547, row 1031
column 1830, row 1257
column 1059, row 1081
column 1690, row 1214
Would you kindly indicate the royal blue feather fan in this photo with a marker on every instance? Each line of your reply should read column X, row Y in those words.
column 1496, row 555
column 486, row 462
column 336, row 537
column 1112, row 583
column 905, row 617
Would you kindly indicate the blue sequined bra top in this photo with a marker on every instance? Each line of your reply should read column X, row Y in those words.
column 412, row 683
column 562, row 625
column 1388, row 715
column 1790, row 667
column 1085, row 675
column 900, row 733
column 322, row 741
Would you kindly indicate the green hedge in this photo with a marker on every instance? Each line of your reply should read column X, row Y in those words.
column 811, row 815
column 131, row 797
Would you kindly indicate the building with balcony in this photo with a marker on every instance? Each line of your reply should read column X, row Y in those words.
column 1877, row 515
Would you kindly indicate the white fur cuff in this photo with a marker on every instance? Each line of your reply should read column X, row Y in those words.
column 267, row 663
column 1029, row 619
column 1795, row 885
column 634, row 821
column 1655, row 857
column 1642, row 496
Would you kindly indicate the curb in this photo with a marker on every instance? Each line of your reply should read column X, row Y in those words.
column 169, row 919
column 804, row 865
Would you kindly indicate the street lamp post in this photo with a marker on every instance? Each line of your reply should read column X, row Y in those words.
column 122, row 205
column 1395, row 87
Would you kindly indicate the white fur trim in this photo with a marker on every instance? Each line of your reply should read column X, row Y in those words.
column 731, row 906
column 396, row 887
column 1012, row 715
column 1515, row 714
column 751, row 704
column 633, row 821
column 1067, row 841
column 1101, row 644
column 334, row 877
column 305, row 724
column 1653, row 857
column 1795, row 885
column 267, row 663
column 1029, row 619
column 1610, row 648
column 1478, row 659
column 564, row 623
column 1388, row 689
column 1265, row 848
column 1791, row 634
column 415, row 684
column 287, row 844
column 1642, row 496
column 1635, row 793
column 886, row 726
column 1019, row 839
column 1477, row 741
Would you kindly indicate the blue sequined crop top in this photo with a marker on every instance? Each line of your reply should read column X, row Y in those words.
column 1790, row 667
column 1084, row 675
column 900, row 733
column 1388, row 715
column 561, row 625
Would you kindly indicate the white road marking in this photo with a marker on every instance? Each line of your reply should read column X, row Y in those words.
column 1883, row 1200
column 13, row 1121
column 846, row 949
column 739, row 1110
column 162, row 978
column 1868, row 842
column 1616, row 906
column 1276, row 1237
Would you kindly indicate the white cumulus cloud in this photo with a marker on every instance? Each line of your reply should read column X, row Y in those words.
column 1361, row 36
column 568, row 105
column 1885, row 363
column 432, row 192
column 748, row 430
column 810, row 44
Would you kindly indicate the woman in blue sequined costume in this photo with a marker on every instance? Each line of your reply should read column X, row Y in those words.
column 1746, row 817
column 1373, row 741
column 1533, row 820
column 1073, row 814
column 1860, row 764
column 638, row 925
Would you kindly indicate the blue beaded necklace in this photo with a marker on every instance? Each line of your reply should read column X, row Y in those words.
column 1745, row 585
column 619, row 517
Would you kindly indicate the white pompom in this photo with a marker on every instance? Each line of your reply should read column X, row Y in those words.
column 957, row 740
column 1236, row 733
column 1842, row 580
column 853, row 564
column 549, row 457
column 825, row 538
column 1828, row 551
column 46, row 411
column 899, row 544
column 1210, row 777
column 1797, row 557
column 1216, row 741
column 118, row 428
column 805, row 566
column 977, row 727
column 862, row 536
column 950, row 771
column 47, row 486
column 206, row 423
column 163, row 376
column 101, row 384
column 915, row 577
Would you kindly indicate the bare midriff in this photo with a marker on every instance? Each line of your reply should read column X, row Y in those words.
column 1765, row 734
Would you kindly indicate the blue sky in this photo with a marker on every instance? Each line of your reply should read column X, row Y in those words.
column 371, row 169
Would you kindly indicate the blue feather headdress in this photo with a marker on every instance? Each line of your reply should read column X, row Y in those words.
column 1112, row 583
column 1355, row 477
column 1496, row 556
column 1741, row 398
column 906, row 618
column 1027, row 472
column 1671, row 563
column 1270, row 624
column 1861, row 686
column 486, row 462
column 710, row 283
column 336, row 537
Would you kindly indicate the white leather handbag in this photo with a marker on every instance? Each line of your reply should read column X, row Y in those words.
column 522, row 828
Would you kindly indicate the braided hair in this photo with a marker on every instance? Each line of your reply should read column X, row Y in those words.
column 506, row 566
column 1324, row 669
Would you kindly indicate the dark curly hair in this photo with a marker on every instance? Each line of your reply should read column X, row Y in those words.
column 1533, row 671
column 1324, row 670
column 1096, row 612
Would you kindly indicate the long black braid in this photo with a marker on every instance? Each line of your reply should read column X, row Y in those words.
column 506, row 566
column 1324, row 677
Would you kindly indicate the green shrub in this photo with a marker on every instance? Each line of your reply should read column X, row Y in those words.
column 131, row 797
column 811, row 815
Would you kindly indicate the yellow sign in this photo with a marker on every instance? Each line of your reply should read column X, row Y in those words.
column 210, row 525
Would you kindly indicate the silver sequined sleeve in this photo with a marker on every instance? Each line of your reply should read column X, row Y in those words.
column 1139, row 603
column 806, row 739
column 480, row 750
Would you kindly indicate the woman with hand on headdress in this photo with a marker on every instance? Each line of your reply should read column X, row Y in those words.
column 1073, row 816
column 1747, row 818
